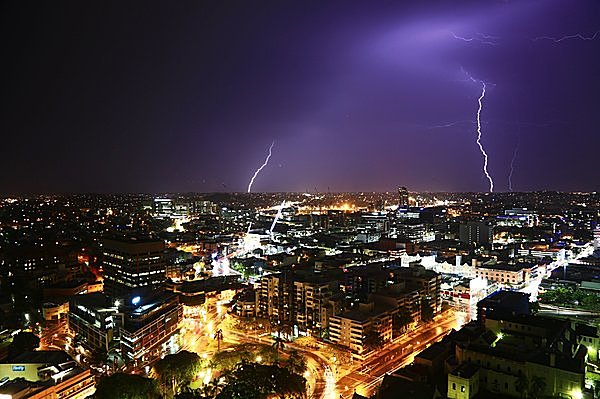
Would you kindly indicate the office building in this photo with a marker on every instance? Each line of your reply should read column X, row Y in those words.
column 92, row 319
column 132, row 263
column 149, row 320
column 476, row 233
column 403, row 197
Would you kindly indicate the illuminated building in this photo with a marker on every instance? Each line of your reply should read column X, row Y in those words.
column 466, row 295
column 91, row 317
column 542, row 251
column 311, row 300
column 149, row 320
column 131, row 263
column 303, row 300
column 426, row 281
column 463, row 382
column 247, row 304
column 398, row 297
column 588, row 336
column 504, row 273
column 403, row 197
column 415, row 232
column 276, row 297
column 376, row 222
column 172, row 208
column 351, row 328
column 524, row 348
column 56, row 310
column 45, row 375
column 476, row 233
column 520, row 217
column 38, row 266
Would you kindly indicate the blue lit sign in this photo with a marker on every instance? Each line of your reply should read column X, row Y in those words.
column 18, row 368
column 136, row 300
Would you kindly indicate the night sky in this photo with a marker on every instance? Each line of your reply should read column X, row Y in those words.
column 131, row 96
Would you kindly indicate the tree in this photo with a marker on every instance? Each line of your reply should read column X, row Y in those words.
column 286, row 329
column 372, row 340
column 177, row 370
column 522, row 384
column 278, row 345
column 127, row 386
column 229, row 359
column 259, row 381
column 538, row 385
column 296, row 363
column 219, row 338
column 23, row 342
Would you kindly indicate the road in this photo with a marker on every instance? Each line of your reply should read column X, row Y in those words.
column 365, row 379
column 323, row 378
column 320, row 379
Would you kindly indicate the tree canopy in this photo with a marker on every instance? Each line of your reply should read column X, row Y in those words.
column 259, row 381
column 296, row 363
column 177, row 370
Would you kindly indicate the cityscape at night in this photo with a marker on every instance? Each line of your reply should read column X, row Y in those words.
column 300, row 200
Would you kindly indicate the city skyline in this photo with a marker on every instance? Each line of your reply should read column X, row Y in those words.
column 356, row 98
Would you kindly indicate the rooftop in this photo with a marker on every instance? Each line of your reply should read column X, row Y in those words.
column 465, row 370
column 40, row 357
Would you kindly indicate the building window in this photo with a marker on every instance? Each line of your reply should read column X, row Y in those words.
column 454, row 386
column 462, row 388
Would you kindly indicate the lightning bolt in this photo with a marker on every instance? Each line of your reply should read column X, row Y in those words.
column 261, row 167
column 446, row 125
column 481, row 149
column 562, row 38
column 481, row 38
column 512, row 164
column 483, row 35
column 277, row 217
column 485, row 155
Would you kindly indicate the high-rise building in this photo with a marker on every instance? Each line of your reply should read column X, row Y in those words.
column 311, row 300
column 276, row 297
column 476, row 233
column 150, row 319
column 132, row 263
column 91, row 317
column 351, row 328
column 403, row 197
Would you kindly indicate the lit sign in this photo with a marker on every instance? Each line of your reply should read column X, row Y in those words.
column 18, row 368
column 136, row 300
